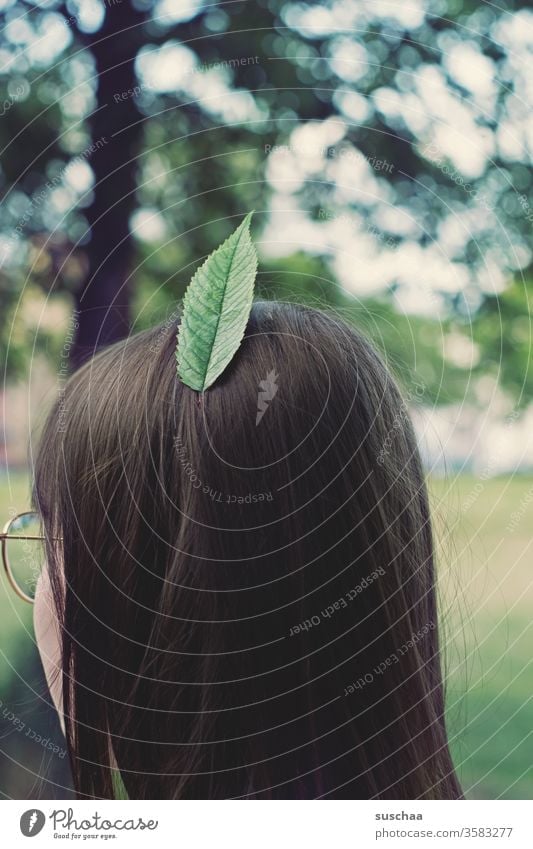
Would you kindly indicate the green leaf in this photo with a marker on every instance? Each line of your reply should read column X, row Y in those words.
column 216, row 308
column 119, row 788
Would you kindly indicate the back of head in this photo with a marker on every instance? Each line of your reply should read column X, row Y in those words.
column 250, row 602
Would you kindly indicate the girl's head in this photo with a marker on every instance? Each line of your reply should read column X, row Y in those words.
column 245, row 584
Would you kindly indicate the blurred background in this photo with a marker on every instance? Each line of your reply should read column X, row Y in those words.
column 386, row 148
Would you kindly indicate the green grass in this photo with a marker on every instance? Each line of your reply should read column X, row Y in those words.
column 16, row 630
column 486, row 592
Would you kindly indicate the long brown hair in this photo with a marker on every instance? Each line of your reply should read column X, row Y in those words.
column 246, row 580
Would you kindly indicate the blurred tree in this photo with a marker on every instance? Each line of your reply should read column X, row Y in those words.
column 138, row 131
column 115, row 131
column 503, row 332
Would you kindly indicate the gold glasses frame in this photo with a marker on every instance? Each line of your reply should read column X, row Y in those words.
column 4, row 537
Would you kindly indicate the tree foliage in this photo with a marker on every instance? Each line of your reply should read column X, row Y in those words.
column 384, row 149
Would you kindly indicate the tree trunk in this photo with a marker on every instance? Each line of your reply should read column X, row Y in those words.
column 116, row 132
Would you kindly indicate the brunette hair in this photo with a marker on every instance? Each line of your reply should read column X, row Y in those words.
column 247, row 601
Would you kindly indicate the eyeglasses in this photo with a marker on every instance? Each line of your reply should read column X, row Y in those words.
column 23, row 553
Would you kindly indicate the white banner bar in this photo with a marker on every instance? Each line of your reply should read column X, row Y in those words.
column 268, row 825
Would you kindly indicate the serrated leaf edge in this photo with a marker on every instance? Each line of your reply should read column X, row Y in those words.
column 181, row 356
